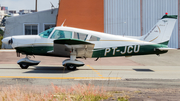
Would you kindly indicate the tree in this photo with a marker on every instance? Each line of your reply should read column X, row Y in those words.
column 1, row 37
column 3, row 22
column 1, row 32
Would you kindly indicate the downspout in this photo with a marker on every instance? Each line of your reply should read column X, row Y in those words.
column 141, row 16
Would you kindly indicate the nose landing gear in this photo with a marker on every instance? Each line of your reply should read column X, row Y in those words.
column 26, row 62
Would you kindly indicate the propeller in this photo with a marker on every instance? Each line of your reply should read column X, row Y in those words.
column 10, row 42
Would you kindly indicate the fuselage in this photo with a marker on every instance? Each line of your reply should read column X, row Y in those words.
column 106, row 45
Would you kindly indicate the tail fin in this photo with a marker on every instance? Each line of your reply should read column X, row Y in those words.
column 162, row 31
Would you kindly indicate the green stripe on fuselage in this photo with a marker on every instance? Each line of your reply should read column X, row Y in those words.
column 129, row 50
column 36, row 50
column 106, row 52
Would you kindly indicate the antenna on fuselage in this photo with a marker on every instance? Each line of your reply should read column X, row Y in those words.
column 63, row 23
column 52, row 6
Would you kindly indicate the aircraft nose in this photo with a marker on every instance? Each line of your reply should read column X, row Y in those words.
column 6, row 40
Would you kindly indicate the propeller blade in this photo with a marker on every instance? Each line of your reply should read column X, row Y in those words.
column 10, row 42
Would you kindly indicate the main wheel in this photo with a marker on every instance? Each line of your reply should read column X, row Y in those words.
column 24, row 66
column 71, row 67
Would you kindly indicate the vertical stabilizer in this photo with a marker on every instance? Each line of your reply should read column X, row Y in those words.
column 162, row 31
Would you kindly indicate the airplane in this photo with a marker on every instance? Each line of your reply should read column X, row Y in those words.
column 77, row 43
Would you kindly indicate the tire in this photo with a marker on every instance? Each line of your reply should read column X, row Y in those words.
column 24, row 66
column 71, row 67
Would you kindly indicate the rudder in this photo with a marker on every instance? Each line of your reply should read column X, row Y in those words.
column 162, row 31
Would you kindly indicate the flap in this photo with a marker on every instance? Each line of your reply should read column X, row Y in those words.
column 62, row 47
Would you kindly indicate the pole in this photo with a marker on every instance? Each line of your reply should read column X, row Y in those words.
column 178, row 24
column 141, row 16
column 36, row 6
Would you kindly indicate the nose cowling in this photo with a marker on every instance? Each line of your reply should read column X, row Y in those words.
column 21, row 40
column 7, row 40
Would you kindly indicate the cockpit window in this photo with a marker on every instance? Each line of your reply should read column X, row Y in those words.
column 58, row 34
column 80, row 36
column 94, row 38
column 46, row 33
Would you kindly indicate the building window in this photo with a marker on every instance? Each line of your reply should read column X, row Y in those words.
column 48, row 26
column 31, row 29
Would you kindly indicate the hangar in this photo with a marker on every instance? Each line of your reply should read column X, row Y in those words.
column 120, row 17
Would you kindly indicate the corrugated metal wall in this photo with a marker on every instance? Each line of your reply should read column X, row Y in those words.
column 122, row 17
column 153, row 10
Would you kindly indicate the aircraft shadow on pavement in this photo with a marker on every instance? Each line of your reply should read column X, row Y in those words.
column 143, row 70
column 137, row 70
column 48, row 69
column 10, row 68
column 89, row 69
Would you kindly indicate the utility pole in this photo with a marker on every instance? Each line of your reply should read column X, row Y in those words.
column 36, row 6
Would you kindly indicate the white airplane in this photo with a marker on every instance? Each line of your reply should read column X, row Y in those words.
column 79, row 43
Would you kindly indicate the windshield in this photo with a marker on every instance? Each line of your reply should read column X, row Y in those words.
column 58, row 34
column 46, row 33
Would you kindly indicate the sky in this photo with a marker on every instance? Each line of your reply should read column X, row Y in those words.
column 28, row 4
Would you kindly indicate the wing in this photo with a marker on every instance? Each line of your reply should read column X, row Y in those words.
column 63, row 47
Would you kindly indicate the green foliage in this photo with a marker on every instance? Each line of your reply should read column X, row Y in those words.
column 122, row 99
column 1, row 32
column 1, row 37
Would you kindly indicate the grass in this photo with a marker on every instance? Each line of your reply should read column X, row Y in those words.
column 53, row 93
column 122, row 99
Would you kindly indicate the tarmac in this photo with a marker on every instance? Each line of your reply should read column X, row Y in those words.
column 132, row 73
column 166, row 66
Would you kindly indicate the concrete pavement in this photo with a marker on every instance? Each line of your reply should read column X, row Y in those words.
column 149, row 67
column 91, row 72
column 143, row 78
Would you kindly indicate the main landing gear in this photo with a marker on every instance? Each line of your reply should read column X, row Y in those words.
column 72, row 63
column 26, row 62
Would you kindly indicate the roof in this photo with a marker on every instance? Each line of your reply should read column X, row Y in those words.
column 33, row 13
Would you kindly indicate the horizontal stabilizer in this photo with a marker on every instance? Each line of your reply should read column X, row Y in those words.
column 164, row 49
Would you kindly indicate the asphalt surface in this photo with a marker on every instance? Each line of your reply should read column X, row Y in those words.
column 166, row 66
column 138, row 73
